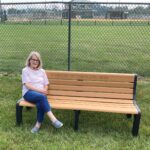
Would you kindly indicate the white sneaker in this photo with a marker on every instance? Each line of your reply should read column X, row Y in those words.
column 57, row 124
column 35, row 130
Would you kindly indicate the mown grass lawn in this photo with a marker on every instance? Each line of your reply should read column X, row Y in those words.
column 100, row 131
column 102, row 48
column 117, row 48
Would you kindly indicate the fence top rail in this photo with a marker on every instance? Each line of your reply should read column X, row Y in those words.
column 27, row 3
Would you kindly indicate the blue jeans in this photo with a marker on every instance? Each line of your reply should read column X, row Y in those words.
column 41, row 103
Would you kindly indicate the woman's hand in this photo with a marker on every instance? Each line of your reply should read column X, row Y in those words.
column 45, row 92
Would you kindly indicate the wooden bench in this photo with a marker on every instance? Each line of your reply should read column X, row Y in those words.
column 91, row 91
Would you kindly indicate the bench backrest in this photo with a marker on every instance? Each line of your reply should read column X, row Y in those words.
column 92, row 85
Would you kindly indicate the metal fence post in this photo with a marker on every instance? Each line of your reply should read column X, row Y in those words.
column 69, row 36
column 1, row 12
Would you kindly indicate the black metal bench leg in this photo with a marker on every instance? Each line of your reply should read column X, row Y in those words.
column 129, row 116
column 76, row 119
column 18, row 114
column 136, row 124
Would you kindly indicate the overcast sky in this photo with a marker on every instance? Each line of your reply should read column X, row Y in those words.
column 135, row 1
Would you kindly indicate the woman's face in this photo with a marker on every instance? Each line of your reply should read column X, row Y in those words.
column 34, row 62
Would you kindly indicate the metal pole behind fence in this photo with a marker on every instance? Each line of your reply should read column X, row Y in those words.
column 69, row 36
column 0, row 11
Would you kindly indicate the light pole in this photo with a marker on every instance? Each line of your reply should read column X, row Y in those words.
column 45, row 13
column 0, row 10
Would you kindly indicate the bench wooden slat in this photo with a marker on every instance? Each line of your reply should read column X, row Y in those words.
column 91, row 83
column 90, row 76
column 83, row 106
column 94, row 104
column 90, row 94
column 74, row 102
column 96, row 108
column 90, row 89
column 123, row 101
column 25, row 103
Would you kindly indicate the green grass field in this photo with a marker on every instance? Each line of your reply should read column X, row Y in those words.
column 104, row 48
column 98, row 131
column 100, row 47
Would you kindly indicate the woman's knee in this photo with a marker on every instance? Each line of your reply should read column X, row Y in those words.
column 41, row 97
column 43, row 100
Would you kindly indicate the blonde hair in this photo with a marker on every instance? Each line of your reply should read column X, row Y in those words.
column 30, row 57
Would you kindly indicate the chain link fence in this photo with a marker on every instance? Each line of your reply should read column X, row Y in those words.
column 101, row 37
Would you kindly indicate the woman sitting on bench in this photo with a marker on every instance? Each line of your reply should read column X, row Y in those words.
column 35, row 88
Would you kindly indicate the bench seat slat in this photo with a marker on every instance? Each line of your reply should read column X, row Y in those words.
column 90, row 76
column 102, row 107
column 91, row 94
column 25, row 103
column 123, row 101
column 89, row 104
column 91, row 83
column 96, row 108
column 91, row 89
